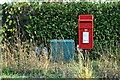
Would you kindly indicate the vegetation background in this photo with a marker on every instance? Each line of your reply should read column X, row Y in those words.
column 30, row 25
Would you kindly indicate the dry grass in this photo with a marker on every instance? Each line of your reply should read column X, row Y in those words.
column 25, row 61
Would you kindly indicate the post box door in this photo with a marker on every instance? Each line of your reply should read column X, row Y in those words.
column 86, row 38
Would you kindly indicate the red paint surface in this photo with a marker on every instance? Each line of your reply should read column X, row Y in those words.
column 85, row 22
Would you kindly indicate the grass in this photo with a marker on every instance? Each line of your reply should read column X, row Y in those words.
column 12, row 76
column 23, row 62
column 48, row 69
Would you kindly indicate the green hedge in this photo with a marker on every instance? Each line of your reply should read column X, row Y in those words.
column 43, row 22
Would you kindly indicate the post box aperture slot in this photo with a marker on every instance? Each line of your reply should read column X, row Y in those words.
column 85, row 24
column 85, row 21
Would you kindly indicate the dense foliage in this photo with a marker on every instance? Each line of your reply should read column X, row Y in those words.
column 42, row 22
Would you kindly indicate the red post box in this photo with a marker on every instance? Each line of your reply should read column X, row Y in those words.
column 85, row 31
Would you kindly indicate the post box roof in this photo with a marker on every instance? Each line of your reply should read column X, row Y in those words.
column 85, row 17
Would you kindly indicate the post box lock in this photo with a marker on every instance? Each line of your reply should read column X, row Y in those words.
column 85, row 31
